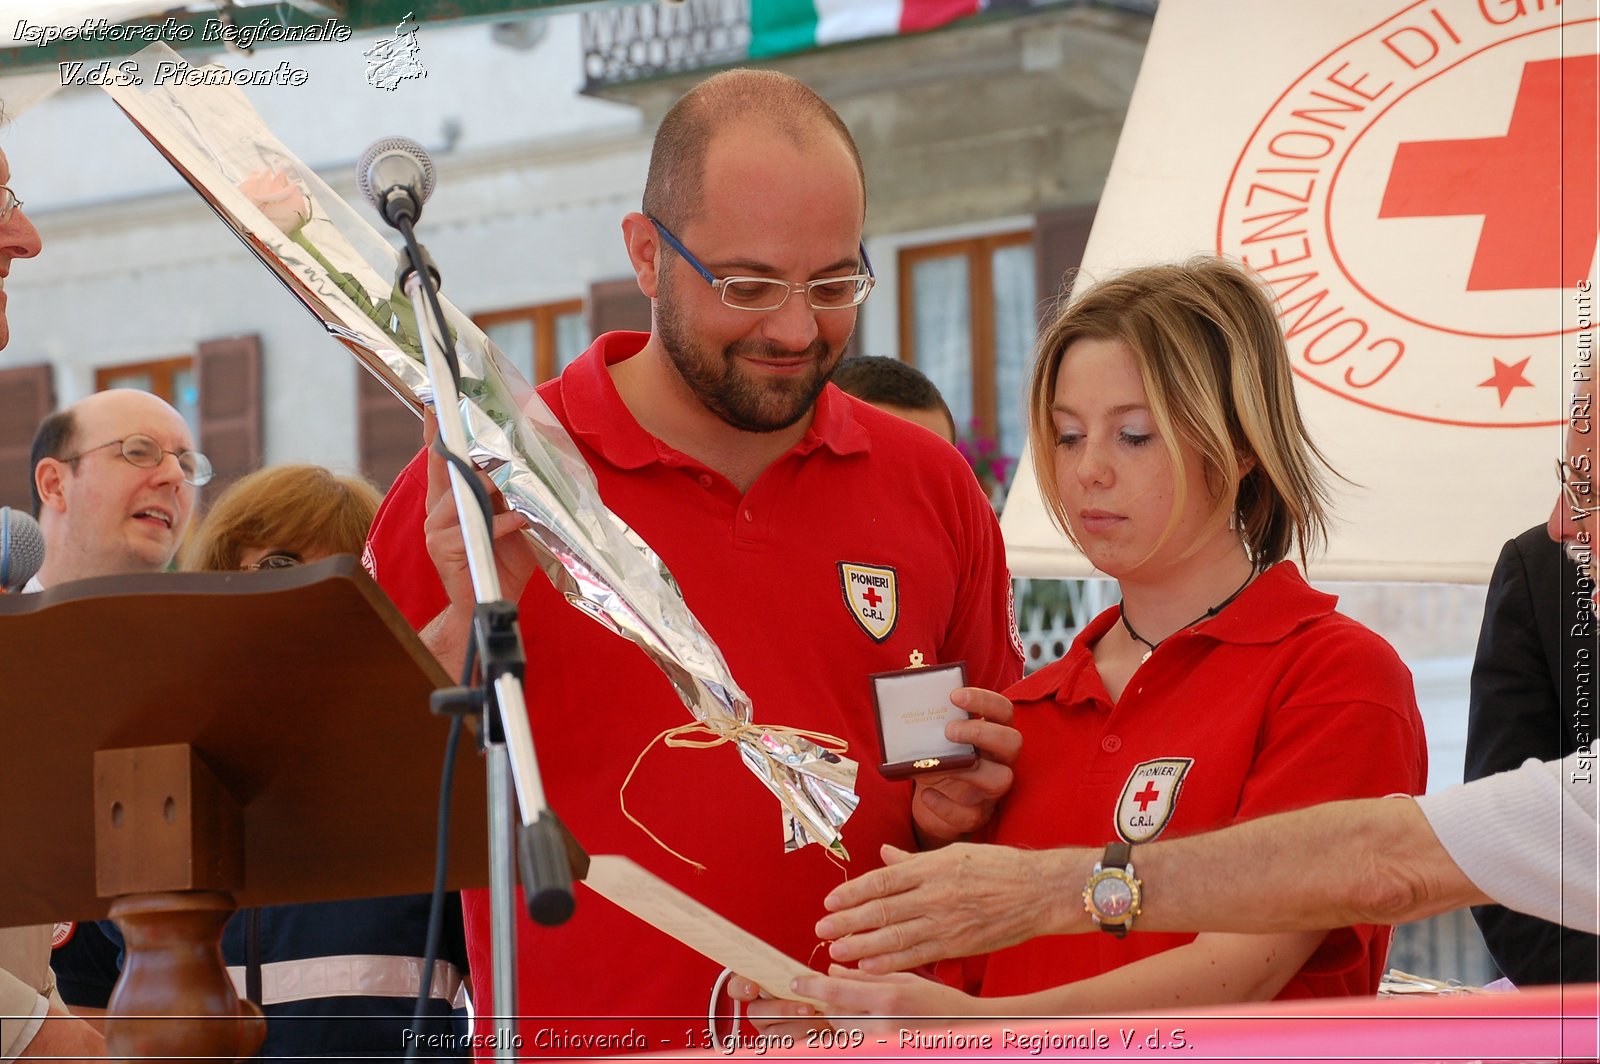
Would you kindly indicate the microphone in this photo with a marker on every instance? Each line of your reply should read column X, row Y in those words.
column 396, row 177
column 21, row 549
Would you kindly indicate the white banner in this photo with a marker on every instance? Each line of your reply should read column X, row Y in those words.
column 1419, row 185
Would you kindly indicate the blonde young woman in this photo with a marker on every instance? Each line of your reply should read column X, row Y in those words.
column 1168, row 445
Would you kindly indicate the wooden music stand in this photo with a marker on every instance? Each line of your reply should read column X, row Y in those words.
column 177, row 743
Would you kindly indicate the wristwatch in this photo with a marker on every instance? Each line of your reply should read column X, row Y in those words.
column 1113, row 896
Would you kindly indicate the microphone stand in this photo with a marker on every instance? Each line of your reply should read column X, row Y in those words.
column 541, row 841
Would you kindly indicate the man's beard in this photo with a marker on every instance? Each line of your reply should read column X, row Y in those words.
column 735, row 395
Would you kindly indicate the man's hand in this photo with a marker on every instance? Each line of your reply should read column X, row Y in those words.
column 65, row 1037
column 514, row 555
column 955, row 902
column 946, row 806
column 515, row 558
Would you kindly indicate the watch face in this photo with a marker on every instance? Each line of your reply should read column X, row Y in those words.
column 1112, row 897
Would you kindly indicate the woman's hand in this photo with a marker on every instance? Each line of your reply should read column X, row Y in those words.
column 861, row 1001
column 775, row 1018
column 856, row 1001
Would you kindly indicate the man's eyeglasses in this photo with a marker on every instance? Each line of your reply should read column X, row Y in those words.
column 770, row 293
column 9, row 204
column 146, row 453
column 281, row 559
column 1582, row 504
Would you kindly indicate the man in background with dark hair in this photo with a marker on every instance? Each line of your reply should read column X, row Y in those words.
column 899, row 389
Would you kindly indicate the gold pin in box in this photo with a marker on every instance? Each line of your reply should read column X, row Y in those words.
column 913, row 707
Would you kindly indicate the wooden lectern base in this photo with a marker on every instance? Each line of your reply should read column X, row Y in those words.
column 174, row 999
column 168, row 850
column 191, row 777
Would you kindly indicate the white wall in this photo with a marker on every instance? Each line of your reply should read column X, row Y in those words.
column 533, row 179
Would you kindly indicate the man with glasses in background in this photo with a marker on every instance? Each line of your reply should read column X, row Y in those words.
column 719, row 440
column 114, row 480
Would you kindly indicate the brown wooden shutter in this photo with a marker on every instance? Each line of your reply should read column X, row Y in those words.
column 228, row 374
column 388, row 434
column 27, row 395
column 617, row 305
column 1059, row 238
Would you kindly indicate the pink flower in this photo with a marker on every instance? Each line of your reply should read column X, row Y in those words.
column 278, row 197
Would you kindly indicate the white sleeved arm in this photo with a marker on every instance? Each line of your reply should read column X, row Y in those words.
column 1529, row 838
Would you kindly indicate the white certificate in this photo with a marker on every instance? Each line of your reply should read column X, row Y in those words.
column 669, row 910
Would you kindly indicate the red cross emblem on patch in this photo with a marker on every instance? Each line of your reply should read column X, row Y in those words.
column 1150, row 796
column 872, row 592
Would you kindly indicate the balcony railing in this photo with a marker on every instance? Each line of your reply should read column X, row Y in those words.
column 650, row 39
column 647, row 40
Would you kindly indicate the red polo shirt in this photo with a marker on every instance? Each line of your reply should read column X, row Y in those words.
column 766, row 572
column 1277, row 703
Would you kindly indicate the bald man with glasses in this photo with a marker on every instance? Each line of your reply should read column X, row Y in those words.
column 114, row 483
column 818, row 539
column 114, row 479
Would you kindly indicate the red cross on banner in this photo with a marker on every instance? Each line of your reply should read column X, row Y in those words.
column 1535, row 187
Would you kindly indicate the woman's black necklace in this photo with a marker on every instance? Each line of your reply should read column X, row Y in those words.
column 1206, row 616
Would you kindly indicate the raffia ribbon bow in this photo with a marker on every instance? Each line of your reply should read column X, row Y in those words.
column 753, row 741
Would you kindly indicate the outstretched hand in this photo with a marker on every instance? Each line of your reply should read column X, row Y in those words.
column 955, row 902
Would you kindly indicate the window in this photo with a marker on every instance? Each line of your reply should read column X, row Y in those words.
column 540, row 340
column 968, row 320
column 27, row 394
column 173, row 379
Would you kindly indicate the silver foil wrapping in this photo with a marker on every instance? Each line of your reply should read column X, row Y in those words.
column 342, row 270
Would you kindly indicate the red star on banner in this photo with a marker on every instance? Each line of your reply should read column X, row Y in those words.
column 1507, row 378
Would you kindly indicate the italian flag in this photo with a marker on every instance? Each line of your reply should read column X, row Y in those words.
column 778, row 27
